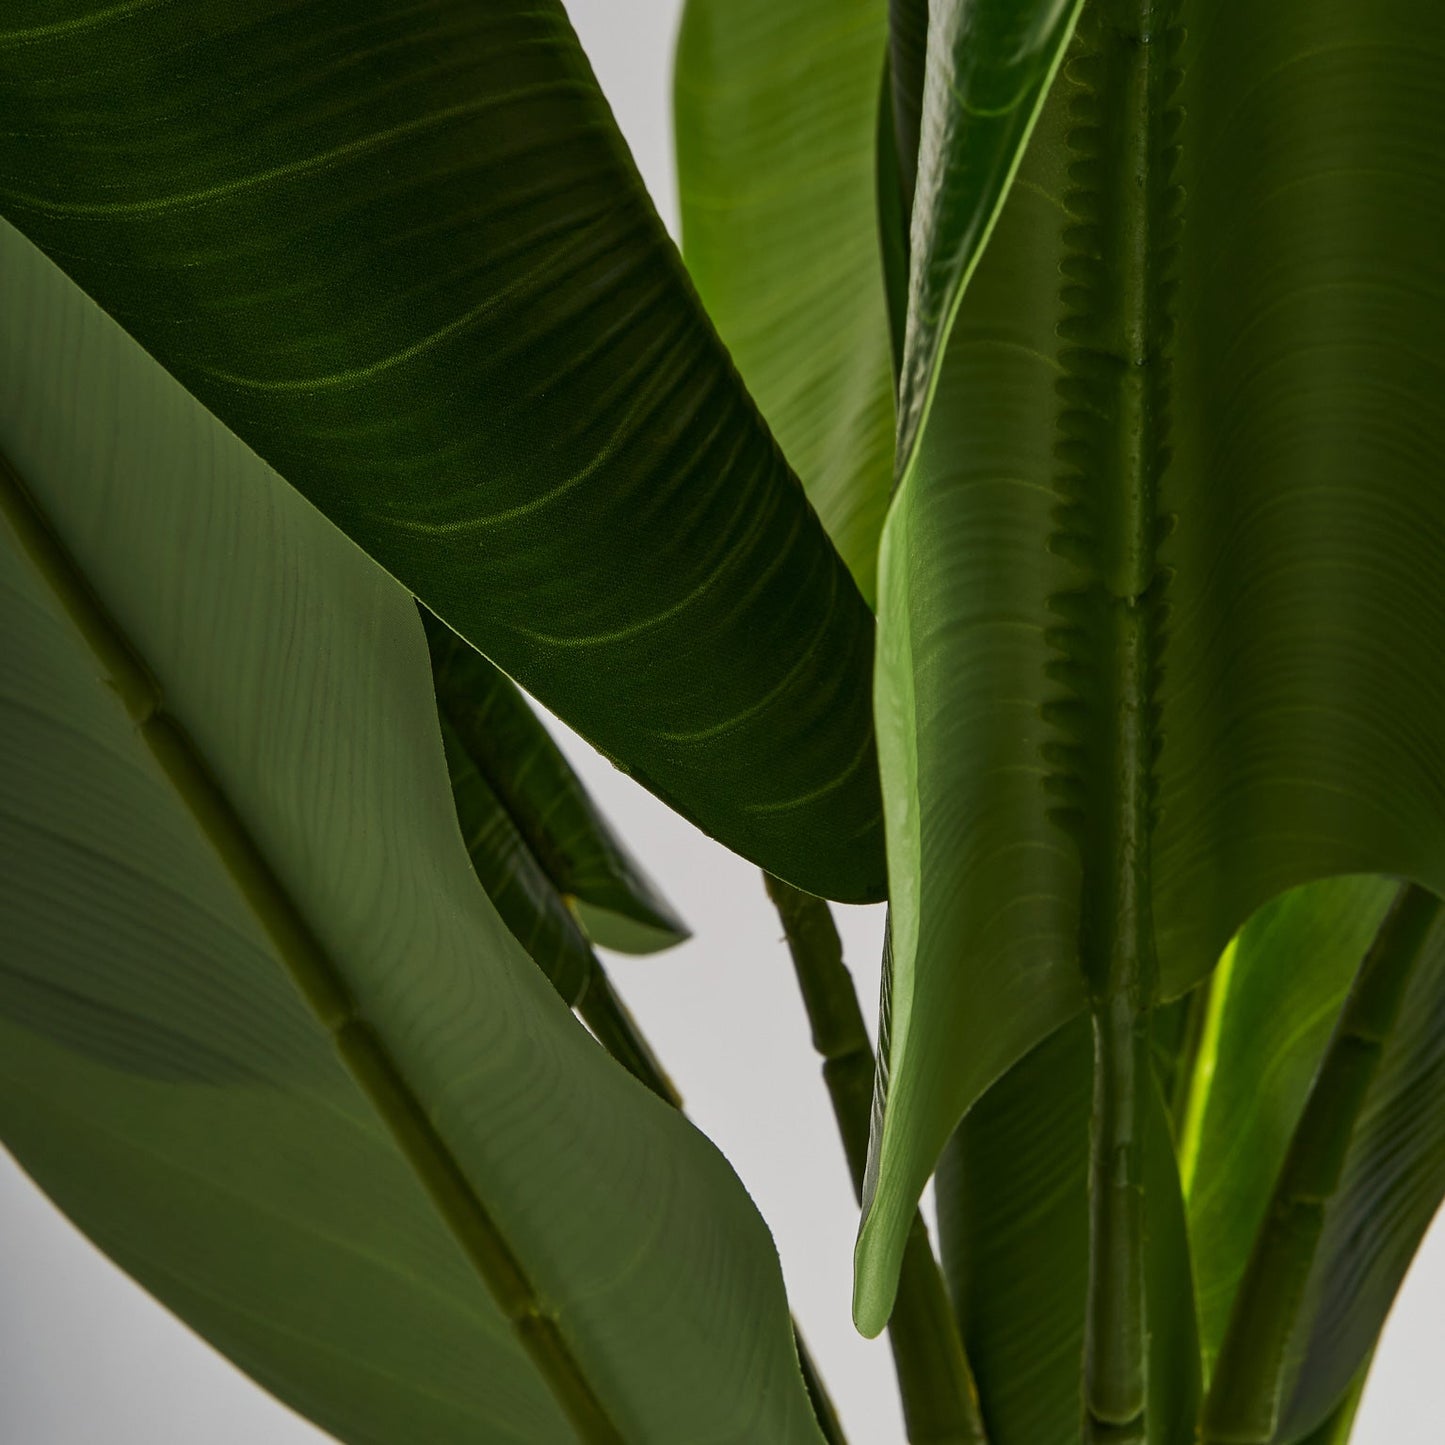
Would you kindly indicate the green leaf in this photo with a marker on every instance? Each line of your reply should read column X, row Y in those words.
column 1392, row 1186
column 519, row 770
column 1013, row 1220
column 1242, row 478
column 987, row 66
column 261, row 1034
column 776, row 110
column 405, row 255
column 1273, row 1003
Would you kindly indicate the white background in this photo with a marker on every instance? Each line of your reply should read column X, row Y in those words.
column 86, row 1357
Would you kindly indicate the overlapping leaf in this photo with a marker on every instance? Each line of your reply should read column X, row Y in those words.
column 402, row 251
column 263, row 1036
column 504, row 754
column 776, row 105
column 1290, row 225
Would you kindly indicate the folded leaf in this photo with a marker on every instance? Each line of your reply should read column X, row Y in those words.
column 776, row 109
column 405, row 255
column 264, row 1038
column 550, row 813
column 1242, row 470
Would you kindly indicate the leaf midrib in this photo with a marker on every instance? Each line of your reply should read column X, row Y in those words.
column 316, row 977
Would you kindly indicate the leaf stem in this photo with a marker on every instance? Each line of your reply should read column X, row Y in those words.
column 940, row 1400
column 1250, row 1376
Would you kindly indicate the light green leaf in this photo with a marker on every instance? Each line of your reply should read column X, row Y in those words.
column 405, row 255
column 264, row 1038
column 776, row 108
column 1243, row 480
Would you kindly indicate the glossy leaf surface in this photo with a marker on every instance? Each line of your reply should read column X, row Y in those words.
column 1283, row 260
column 549, row 813
column 264, row 1038
column 776, row 109
column 1012, row 1192
column 405, row 255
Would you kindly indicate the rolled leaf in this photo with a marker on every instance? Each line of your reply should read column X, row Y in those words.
column 987, row 66
column 776, row 108
column 264, row 1038
column 1208, row 409
column 405, row 255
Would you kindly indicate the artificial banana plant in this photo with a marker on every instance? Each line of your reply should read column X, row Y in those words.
column 1021, row 498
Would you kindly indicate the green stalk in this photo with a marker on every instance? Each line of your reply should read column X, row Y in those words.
column 1113, row 424
column 940, row 1401
column 1250, row 1375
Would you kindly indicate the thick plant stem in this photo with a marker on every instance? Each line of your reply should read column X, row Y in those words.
column 616, row 1030
column 1250, row 1375
column 1113, row 423
column 940, row 1401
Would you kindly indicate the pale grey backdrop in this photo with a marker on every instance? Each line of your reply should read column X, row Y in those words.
column 86, row 1358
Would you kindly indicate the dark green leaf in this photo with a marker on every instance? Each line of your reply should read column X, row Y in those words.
column 405, row 255
column 288, row 1066
column 1249, row 477
column 1392, row 1186
column 983, row 76
column 777, row 104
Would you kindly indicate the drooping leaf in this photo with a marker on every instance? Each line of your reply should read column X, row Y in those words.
column 273, row 1049
column 552, row 815
column 405, row 255
column 1243, row 476
column 1013, row 1219
column 776, row 107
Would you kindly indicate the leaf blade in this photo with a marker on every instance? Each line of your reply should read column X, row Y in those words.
column 329, row 762
column 410, row 262
column 775, row 108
